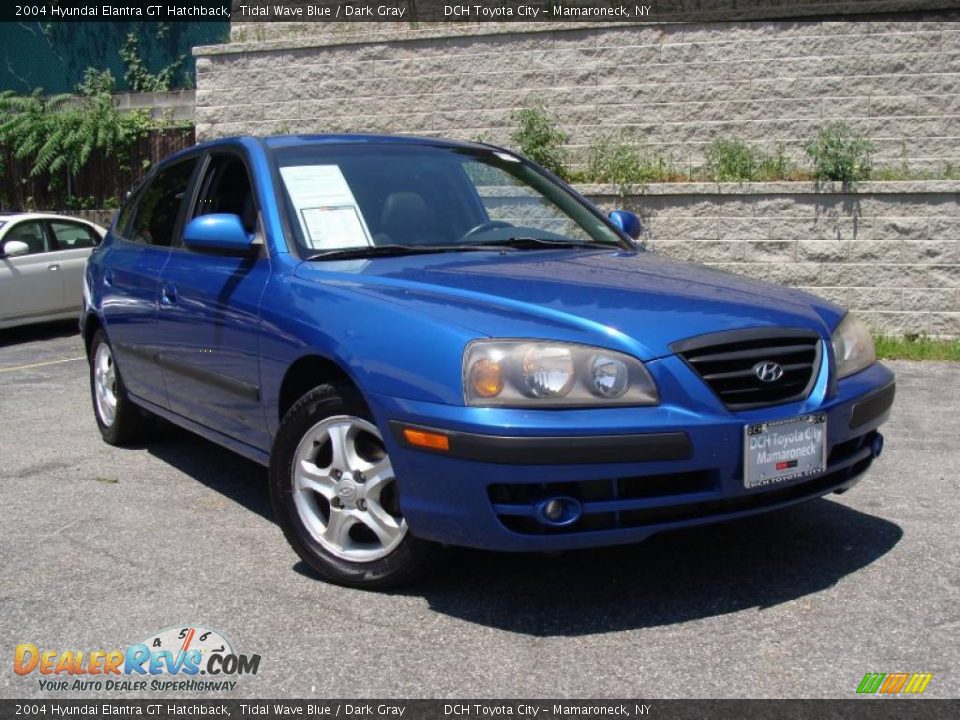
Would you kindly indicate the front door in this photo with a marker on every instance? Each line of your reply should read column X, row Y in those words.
column 208, row 323
column 30, row 284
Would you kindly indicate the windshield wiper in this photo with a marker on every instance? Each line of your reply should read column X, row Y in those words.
column 370, row 251
column 511, row 243
column 526, row 242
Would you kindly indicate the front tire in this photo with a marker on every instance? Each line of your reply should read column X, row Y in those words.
column 335, row 494
column 119, row 420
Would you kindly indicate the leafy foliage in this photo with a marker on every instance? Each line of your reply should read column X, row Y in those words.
column 60, row 133
column 137, row 77
column 538, row 137
column 778, row 167
column 613, row 159
column 839, row 153
column 732, row 161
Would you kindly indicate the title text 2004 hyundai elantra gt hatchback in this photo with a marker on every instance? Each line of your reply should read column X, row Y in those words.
column 432, row 343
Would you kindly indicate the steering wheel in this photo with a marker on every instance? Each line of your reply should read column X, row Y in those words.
column 484, row 226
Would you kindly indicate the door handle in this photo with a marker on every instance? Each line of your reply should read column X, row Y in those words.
column 108, row 278
column 168, row 295
column 53, row 266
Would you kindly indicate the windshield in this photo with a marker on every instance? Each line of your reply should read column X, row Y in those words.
column 422, row 197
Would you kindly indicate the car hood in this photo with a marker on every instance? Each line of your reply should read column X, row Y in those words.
column 638, row 302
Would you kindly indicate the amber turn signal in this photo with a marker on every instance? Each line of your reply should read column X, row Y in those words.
column 424, row 439
column 486, row 377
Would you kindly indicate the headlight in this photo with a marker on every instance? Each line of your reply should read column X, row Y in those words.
column 853, row 346
column 530, row 373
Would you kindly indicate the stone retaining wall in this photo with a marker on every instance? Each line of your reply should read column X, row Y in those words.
column 888, row 250
column 673, row 87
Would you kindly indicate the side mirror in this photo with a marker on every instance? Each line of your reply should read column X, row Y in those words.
column 13, row 248
column 628, row 222
column 223, row 232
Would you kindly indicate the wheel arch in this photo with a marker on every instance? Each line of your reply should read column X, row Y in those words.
column 91, row 324
column 306, row 373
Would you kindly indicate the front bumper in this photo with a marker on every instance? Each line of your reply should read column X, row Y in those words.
column 634, row 471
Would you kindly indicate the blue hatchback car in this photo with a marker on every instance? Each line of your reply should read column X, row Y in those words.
column 435, row 343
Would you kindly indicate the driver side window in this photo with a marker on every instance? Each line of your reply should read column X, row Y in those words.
column 32, row 234
column 226, row 188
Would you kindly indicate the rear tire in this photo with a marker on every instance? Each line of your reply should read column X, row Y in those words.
column 119, row 420
column 335, row 495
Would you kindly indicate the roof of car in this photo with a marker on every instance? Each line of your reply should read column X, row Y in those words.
column 14, row 216
column 283, row 141
column 279, row 141
column 40, row 216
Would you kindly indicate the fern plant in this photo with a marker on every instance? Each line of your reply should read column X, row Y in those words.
column 61, row 132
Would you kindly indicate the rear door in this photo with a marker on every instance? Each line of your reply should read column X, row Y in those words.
column 132, row 263
column 208, row 323
column 72, row 243
column 30, row 285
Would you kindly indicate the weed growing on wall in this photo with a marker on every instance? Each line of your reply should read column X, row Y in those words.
column 839, row 153
column 538, row 137
column 614, row 159
column 732, row 161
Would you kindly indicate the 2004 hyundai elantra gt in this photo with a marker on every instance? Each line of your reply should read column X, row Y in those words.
column 435, row 343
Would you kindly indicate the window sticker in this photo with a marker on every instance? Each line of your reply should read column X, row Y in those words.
column 336, row 226
column 328, row 212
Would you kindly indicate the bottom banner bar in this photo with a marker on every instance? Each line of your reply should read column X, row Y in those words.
column 872, row 709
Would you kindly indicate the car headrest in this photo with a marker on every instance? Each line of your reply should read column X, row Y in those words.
column 404, row 211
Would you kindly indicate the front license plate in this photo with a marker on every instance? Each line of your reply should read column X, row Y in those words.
column 776, row 452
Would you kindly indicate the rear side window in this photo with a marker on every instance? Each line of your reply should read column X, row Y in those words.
column 71, row 236
column 158, row 207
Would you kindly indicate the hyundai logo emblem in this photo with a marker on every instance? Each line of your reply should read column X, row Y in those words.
column 347, row 490
column 768, row 371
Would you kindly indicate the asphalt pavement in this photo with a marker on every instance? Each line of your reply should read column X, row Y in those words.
column 101, row 547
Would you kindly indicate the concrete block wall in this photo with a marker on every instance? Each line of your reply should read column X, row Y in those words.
column 176, row 106
column 673, row 87
column 889, row 251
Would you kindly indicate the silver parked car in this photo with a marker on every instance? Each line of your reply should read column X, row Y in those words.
column 41, row 266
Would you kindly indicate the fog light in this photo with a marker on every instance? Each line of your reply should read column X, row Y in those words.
column 876, row 446
column 553, row 510
column 559, row 511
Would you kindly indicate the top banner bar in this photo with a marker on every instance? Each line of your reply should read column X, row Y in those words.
column 472, row 11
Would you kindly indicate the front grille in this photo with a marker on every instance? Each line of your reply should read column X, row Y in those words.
column 727, row 362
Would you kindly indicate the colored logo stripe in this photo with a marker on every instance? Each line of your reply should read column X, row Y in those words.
column 918, row 683
column 871, row 683
column 892, row 683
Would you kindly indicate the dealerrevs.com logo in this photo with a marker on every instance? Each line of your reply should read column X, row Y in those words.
column 185, row 659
